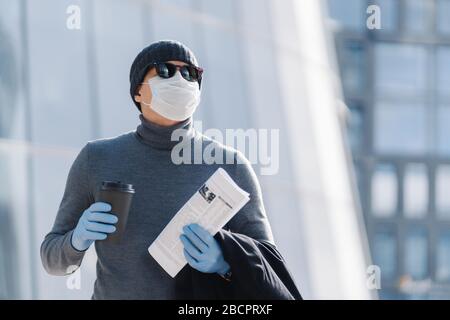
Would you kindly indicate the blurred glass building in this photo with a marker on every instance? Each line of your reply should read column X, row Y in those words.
column 396, row 84
column 268, row 64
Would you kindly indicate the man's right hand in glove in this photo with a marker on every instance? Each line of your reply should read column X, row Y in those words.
column 94, row 224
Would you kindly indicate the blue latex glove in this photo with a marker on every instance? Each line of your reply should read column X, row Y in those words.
column 94, row 224
column 202, row 251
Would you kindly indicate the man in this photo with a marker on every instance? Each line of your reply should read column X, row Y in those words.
column 165, row 82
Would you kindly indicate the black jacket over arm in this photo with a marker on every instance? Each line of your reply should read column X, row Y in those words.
column 258, row 272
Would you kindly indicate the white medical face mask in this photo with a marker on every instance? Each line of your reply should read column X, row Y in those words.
column 174, row 98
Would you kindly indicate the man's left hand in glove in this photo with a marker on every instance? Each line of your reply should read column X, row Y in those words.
column 202, row 251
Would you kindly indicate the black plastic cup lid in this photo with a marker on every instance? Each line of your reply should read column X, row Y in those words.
column 117, row 186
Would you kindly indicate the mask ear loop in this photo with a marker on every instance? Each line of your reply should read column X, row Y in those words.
column 146, row 70
column 147, row 104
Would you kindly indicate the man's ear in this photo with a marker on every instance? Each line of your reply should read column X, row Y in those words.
column 137, row 96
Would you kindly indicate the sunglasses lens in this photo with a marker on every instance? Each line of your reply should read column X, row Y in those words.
column 185, row 73
column 189, row 73
column 165, row 70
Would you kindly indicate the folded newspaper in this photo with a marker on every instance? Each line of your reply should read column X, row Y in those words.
column 212, row 206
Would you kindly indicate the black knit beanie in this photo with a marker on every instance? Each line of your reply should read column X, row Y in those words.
column 160, row 51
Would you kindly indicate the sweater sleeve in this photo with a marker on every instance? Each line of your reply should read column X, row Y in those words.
column 251, row 220
column 57, row 253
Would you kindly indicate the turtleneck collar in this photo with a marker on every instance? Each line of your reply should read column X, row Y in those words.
column 159, row 137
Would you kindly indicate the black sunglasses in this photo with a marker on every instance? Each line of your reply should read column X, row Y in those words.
column 167, row 70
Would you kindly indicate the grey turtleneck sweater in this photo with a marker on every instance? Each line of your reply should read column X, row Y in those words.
column 143, row 158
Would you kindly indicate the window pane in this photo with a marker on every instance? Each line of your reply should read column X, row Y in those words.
column 14, row 215
column 384, row 191
column 5, row 220
column 256, row 13
column 416, row 15
column 415, row 191
column 443, row 191
column 59, row 83
column 443, row 258
column 219, row 9
column 353, row 62
column 11, row 87
column 443, row 22
column 358, row 177
column 416, row 254
column 443, row 70
column 122, row 20
column 349, row 13
column 181, row 3
column 400, row 128
column 400, row 69
column 443, row 127
column 223, row 73
column 384, row 254
column 356, row 127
